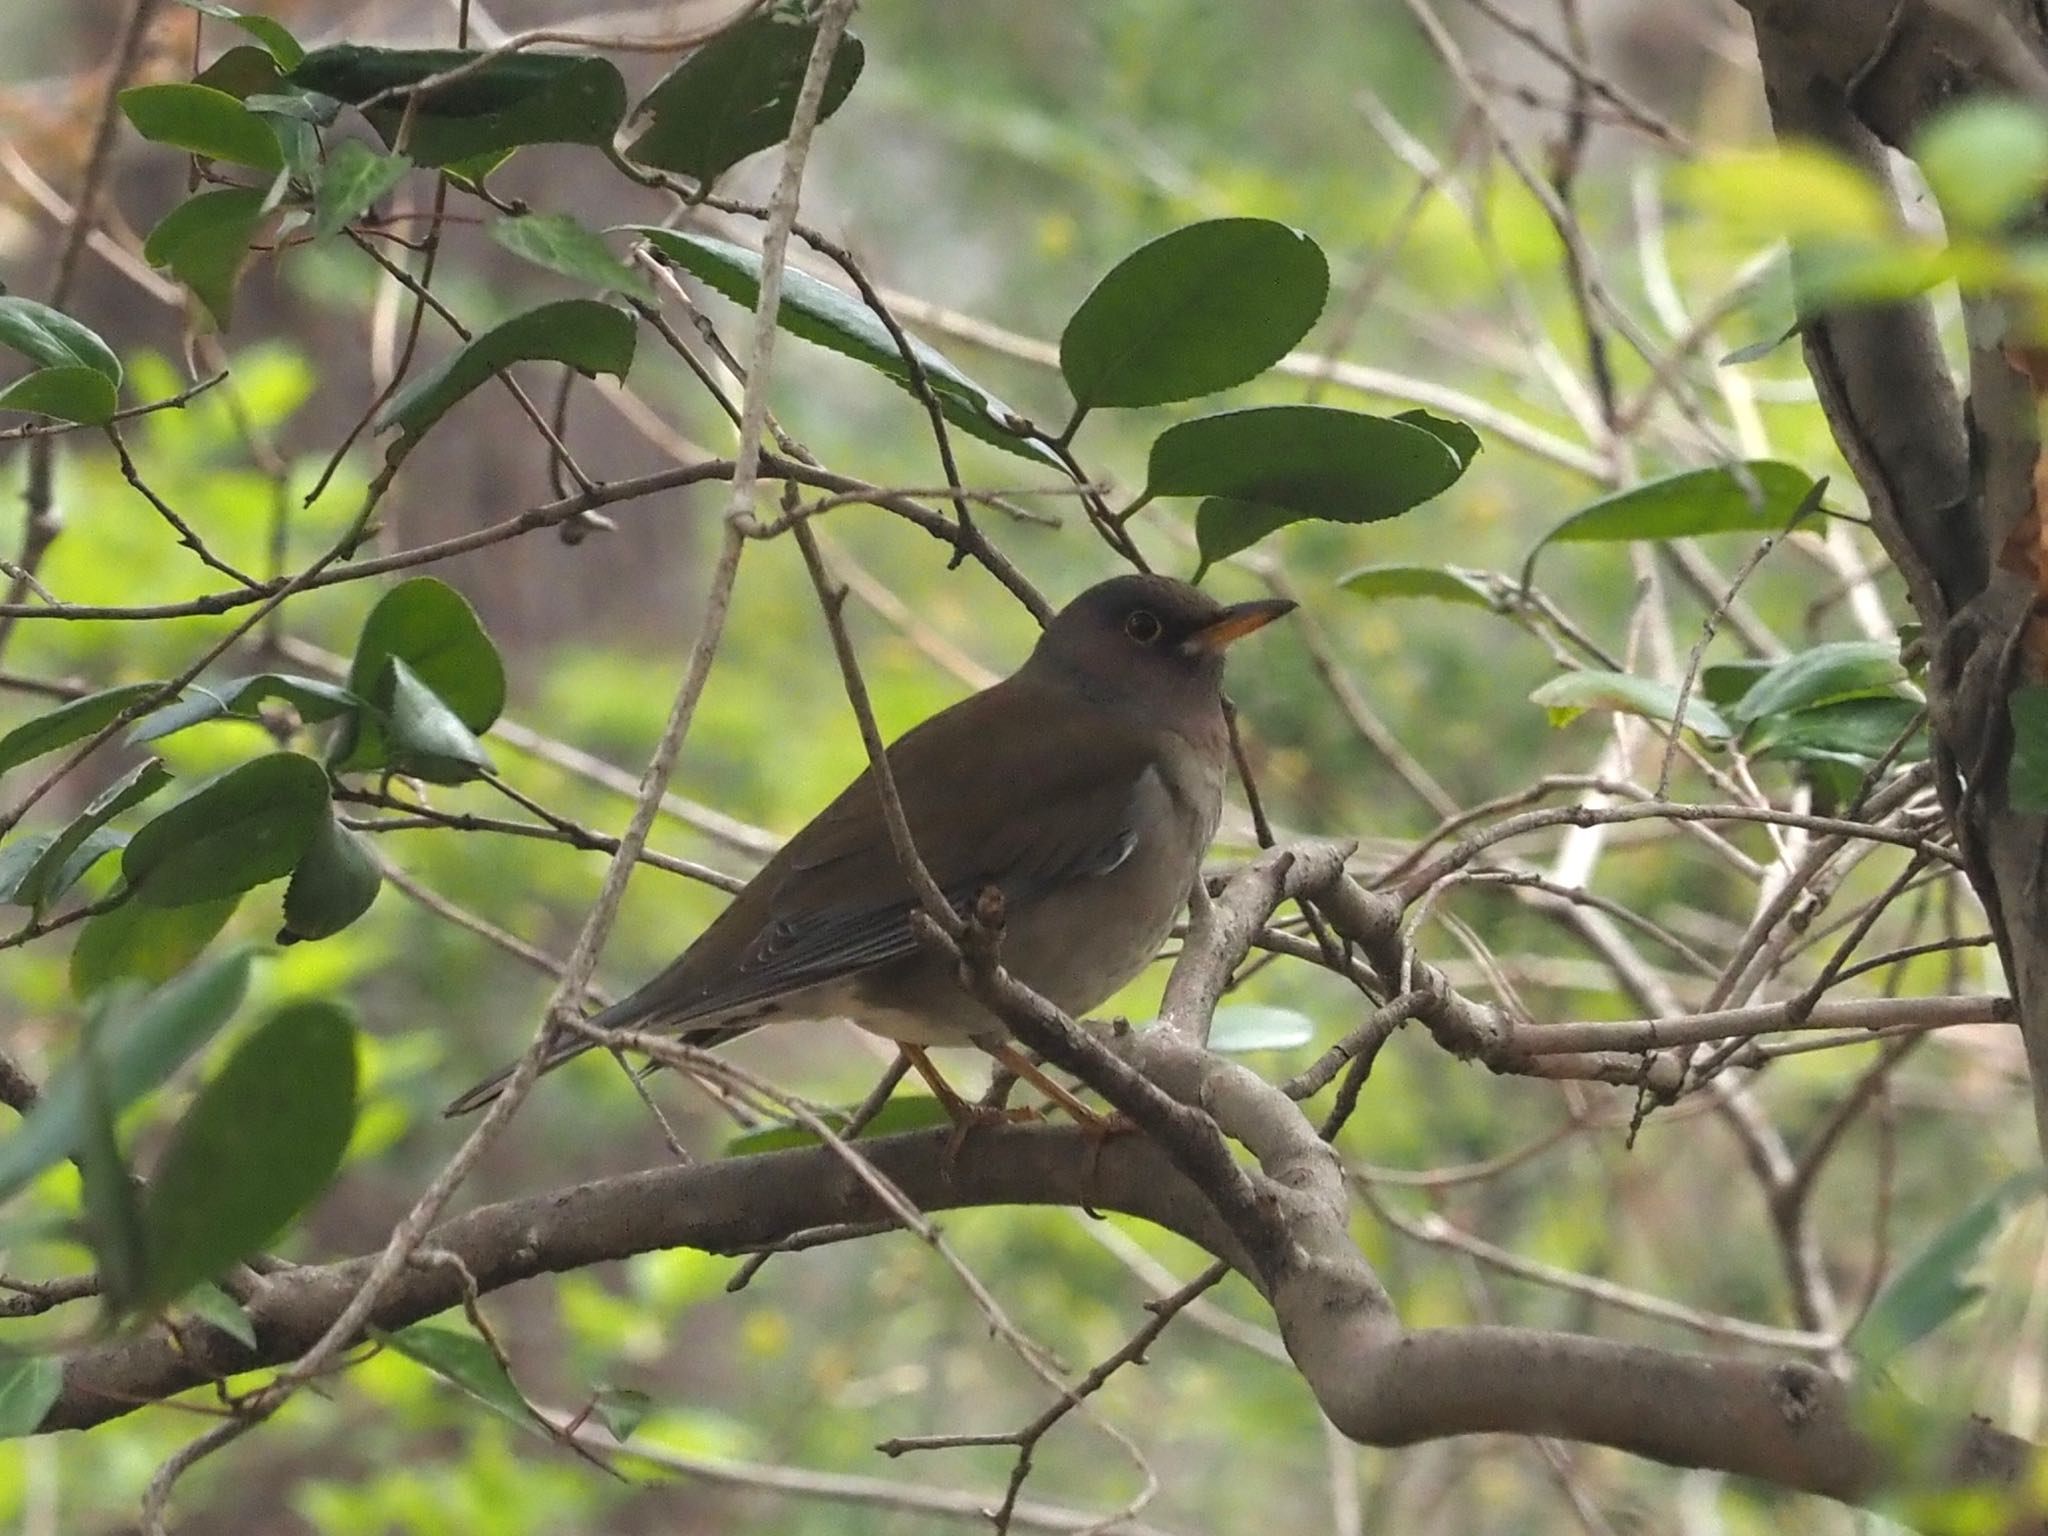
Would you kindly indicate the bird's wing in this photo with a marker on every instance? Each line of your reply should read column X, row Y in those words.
column 1059, row 805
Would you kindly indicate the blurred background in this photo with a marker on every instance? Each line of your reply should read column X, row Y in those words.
column 991, row 164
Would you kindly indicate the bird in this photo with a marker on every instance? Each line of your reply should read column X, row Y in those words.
column 1084, row 788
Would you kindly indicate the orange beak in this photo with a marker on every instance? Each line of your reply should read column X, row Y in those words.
column 1237, row 621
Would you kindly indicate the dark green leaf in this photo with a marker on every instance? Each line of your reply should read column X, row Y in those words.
column 737, row 94
column 77, row 394
column 903, row 1114
column 514, row 99
column 259, row 1143
column 215, row 1307
column 242, row 72
column 29, row 1384
column 1452, row 433
column 2027, row 786
column 1934, row 1284
column 61, row 864
column 1857, row 731
column 1571, row 695
column 1727, row 681
column 204, row 121
column 1693, row 503
column 1204, row 308
column 464, row 1359
column 1843, row 669
column 560, row 244
column 143, row 943
column 430, row 627
column 353, row 179
column 204, row 241
column 334, row 884
column 423, row 736
column 18, row 855
column 821, row 314
column 269, row 33
column 69, row 722
column 113, row 1217
column 145, row 1043
column 239, row 830
column 1257, row 1027
column 49, row 338
column 590, row 337
column 239, row 698
column 621, row 1410
column 1271, row 465
column 1445, row 583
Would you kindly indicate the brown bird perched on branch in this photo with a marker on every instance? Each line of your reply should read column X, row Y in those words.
column 1085, row 787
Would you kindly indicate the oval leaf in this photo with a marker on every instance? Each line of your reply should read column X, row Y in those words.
column 143, row 1044
column 821, row 314
column 1569, row 696
column 134, row 942
column 1693, row 503
column 519, row 98
column 76, row 394
column 262, row 1139
column 1843, row 669
column 736, row 95
column 204, row 241
column 351, row 181
column 429, row 626
column 1443, row 583
column 560, row 244
column 1854, row 731
column 590, row 337
column 271, row 34
column 70, row 722
column 240, row 698
column 335, row 884
column 29, row 1384
column 459, row 1356
column 50, row 338
column 205, row 122
column 239, row 830
column 1201, row 309
column 1258, row 1027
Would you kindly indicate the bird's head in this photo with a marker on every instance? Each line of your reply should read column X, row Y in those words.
column 1147, row 638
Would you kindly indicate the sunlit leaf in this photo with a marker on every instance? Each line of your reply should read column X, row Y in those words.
column 79, row 394
column 142, row 943
column 820, row 313
column 737, row 94
column 466, row 1360
column 1443, row 583
column 260, row 1141
column 1192, row 312
column 49, row 338
column 1985, row 159
column 1757, row 497
column 241, row 829
column 202, row 121
column 1794, row 191
column 1570, row 695
column 215, row 1307
column 1243, row 1027
column 350, row 183
column 29, row 1384
column 271, row 34
column 204, row 241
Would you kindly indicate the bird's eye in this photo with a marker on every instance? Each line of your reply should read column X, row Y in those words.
column 1142, row 626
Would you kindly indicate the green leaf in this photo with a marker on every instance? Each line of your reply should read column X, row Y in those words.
column 113, row 1217
column 1458, row 436
column 590, row 337
column 423, row 736
column 147, row 1041
column 334, row 884
column 69, row 722
column 135, row 942
column 464, row 1359
column 1572, row 694
column 203, row 121
column 29, row 1384
column 1272, row 465
column 1985, row 159
column 1444, row 583
column 1852, row 731
column 261, row 1140
column 821, row 314
column 63, row 862
column 1933, row 1286
column 1842, row 669
column 1257, row 1027
column 239, row 698
column 901, row 1115
column 271, row 34
column 1204, row 308
column 353, row 179
column 241, row 829
column 78, row 394
column 429, row 626
column 1690, row 504
column 243, row 72
column 50, row 338
column 204, row 241
column 2027, row 786
column 1727, row 681
column 560, row 244
column 216, row 1308
column 736, row 95
column 621, row 1410
column 18, row 855
column 514, row 99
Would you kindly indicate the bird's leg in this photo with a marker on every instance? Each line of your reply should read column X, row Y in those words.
column 1024, row 1067
column 957, row 1109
